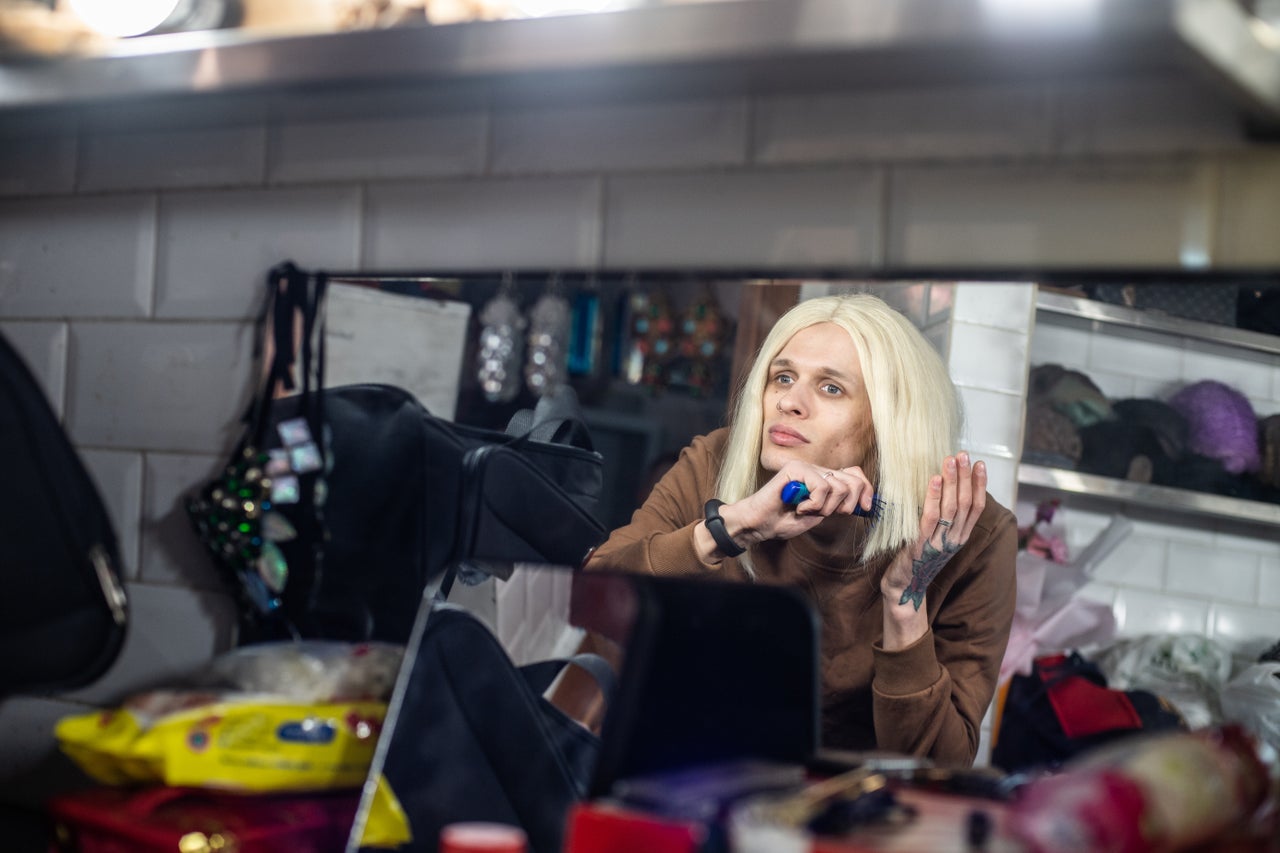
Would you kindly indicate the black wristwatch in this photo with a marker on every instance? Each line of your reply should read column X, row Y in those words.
column 715, row 524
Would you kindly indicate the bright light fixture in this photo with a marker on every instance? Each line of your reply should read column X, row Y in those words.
column 123, row 18
column 541, row 8
column 1042, row 11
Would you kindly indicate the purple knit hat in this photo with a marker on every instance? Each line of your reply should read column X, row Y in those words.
column 1221, row 424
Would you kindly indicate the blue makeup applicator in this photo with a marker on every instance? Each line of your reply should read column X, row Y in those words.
column 794, row 492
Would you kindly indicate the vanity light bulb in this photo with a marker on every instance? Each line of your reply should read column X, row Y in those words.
column 122, row 18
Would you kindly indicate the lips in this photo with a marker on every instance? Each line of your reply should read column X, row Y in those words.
column 786, row 437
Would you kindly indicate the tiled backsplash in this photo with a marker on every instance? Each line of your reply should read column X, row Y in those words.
column 133, row 244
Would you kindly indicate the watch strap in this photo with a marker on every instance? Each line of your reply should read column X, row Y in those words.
column 715, row 526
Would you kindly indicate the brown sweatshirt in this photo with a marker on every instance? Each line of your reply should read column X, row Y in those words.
column 925, row 700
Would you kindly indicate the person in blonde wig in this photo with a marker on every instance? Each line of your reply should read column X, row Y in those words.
column 907, row 559
column 913, row 404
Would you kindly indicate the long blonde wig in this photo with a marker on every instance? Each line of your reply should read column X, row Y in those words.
column 915, row 413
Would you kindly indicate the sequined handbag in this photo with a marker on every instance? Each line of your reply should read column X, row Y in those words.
column 239, row 515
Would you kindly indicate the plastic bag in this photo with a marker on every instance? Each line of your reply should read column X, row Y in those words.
column 1188, row 670
column 1050, row 615
column 1252, row 699
column 311, row 670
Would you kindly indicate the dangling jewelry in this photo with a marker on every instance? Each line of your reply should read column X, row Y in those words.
column 549, row 326
column 701, row 338
column 585, row 337
column 501, row 344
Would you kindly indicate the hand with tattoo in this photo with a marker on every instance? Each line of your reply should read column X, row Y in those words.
column 955, row 500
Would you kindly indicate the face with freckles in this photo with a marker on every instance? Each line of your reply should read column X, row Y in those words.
column 815, row 403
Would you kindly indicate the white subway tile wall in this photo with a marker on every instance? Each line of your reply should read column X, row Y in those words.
column 172, row 159
column 215, row 247
column 159, row 385
column 37, row 164
column 43, row 346
column 118, row 477
column 1112, row 214
column 983, row 122
column 1142, row 117
column 700, row 134
column 170, row 554
column 377, row 149
column 133, row 245
column 987, row 357
column 754, row 219
column 509, row 222
column 87, row 256
column 1247, row 225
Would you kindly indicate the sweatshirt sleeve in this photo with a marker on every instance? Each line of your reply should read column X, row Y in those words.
column 929, row 698
column 659, row 537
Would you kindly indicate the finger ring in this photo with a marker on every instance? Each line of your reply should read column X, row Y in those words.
column 828, row 475
column 944, row 522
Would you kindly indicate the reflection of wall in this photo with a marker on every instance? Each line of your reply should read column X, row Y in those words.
column 132, row 242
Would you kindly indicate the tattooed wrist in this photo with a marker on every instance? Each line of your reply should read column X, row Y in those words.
column 924, row 569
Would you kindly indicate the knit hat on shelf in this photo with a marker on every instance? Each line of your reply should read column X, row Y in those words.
column 1051, row 438
column 1070, row 392
column 1124, row 451
column 1168, row 424
column 1221, row 424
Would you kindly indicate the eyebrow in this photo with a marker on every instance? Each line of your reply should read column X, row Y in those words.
column 787, row 364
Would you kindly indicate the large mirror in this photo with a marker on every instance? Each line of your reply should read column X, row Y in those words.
column 655, row 357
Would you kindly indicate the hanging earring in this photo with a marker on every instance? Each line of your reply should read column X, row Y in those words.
column 501, row 344
column 549, row 326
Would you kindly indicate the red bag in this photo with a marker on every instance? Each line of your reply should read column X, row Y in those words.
column 116, row 820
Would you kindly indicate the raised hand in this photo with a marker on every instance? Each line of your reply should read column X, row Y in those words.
column 952, row 506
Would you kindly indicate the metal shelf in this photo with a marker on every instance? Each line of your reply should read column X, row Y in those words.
column 1157, row 500
column 1161, row 499
column 1118, row 315
column 728, row 46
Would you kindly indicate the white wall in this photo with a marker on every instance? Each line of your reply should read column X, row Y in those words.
column 132, row 242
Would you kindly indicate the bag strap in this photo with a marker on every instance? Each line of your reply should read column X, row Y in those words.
column 291, row 296
column 539, row 675
column 556, row 419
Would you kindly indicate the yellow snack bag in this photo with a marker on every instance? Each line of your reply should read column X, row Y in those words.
column 247, row 745
column 101, row 744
